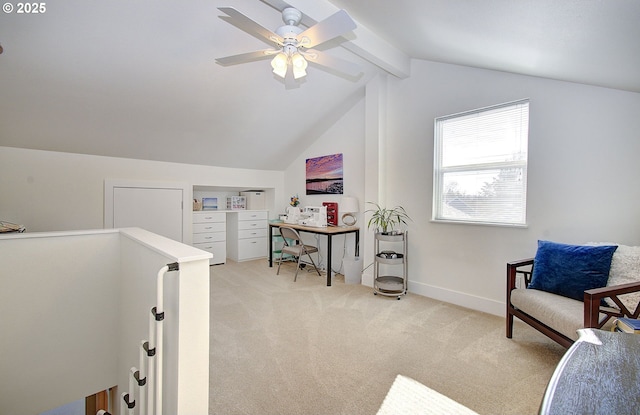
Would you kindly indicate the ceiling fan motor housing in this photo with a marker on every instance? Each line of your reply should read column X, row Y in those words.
column 289, row 34
column 290, row 31
column 291, row 16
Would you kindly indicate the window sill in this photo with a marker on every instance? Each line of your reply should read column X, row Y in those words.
column 466, row 222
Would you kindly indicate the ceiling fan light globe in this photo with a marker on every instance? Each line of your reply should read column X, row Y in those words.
column 279, row 61
column 299, row 73
column 299, row 62
column 281, row 72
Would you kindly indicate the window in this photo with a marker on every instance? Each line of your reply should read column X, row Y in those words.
column 480, row 165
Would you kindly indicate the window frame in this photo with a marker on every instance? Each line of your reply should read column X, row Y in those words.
column 439, row 171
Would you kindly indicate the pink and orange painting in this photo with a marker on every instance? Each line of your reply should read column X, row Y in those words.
column 324, row 175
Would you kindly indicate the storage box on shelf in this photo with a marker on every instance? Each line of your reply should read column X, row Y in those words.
column 255, row 199
column 236, row 203
column 390, row 266
column 247, row 234
column 209, row 234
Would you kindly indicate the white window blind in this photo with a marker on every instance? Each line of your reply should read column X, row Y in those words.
column 480, row 165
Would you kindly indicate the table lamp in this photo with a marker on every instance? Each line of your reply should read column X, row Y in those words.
column 349, row 206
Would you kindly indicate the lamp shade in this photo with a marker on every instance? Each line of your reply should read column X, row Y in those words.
column 349, row 204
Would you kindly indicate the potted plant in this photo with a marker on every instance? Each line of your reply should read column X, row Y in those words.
column 384, row 220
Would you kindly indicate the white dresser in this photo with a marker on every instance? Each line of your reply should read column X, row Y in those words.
column 209, row 234
column 247, row 235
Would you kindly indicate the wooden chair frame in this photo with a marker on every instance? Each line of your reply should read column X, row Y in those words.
column 592, row 304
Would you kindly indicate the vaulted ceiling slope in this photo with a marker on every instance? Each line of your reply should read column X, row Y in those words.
column 138, row 79
column 586, row 41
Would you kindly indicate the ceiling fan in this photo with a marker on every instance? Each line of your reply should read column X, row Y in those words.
column 292, row 44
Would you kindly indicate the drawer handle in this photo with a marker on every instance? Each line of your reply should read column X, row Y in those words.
column 208, row 237
column 209, row 227
column 254, row 242
column 208, row 217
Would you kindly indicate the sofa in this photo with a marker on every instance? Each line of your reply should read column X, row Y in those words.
column 565, row 288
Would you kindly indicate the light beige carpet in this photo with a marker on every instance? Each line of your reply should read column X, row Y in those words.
column 284, row 347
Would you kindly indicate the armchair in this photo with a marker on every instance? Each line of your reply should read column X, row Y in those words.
column 558, row 316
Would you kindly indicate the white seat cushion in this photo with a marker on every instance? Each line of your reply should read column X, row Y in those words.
column 562, row 314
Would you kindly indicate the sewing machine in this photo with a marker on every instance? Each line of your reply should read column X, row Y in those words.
column 313, row 216
column 293, row 215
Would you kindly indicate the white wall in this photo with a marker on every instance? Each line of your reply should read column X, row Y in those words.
column 346, row 136
column 58, row 319
column 583, row 182
column 51, row 191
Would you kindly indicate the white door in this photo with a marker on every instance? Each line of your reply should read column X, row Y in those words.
column 155, row 206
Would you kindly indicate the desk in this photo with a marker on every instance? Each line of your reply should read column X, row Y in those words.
column 599, row 374
column 329, row 231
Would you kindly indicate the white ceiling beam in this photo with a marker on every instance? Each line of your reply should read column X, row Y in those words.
column 365, row 44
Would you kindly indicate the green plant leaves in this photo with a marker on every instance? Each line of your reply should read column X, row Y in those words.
column 385, row 220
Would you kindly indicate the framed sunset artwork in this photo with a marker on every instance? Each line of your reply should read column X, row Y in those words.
column 324, row 175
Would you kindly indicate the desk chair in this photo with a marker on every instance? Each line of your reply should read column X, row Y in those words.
column 294, row 246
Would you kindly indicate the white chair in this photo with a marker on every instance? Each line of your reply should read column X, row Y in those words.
column 294, row 246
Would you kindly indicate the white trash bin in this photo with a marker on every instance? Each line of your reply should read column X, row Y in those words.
column 352, row 270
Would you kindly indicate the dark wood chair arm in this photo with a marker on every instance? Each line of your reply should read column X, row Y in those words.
column 513, row 270
column 613, row 290
column 520, row 262
column 593, row 300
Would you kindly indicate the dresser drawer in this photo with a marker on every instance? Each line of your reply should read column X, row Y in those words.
column 252, row 215
column 209, row 237
column 218, row 249
column 252, row 224
column 252, row 233
column 205, row 217
column 252, row 248
column 209, row 227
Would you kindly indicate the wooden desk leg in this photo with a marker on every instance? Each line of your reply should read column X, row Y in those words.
column 329, row 260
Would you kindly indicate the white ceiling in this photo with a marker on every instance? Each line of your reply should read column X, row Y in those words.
column 587, row 41
column 138, row 79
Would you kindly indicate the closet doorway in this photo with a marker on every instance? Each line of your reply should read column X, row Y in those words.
column 154, row 206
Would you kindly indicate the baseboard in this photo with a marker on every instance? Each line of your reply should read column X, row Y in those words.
column 449, row 296
column 458, row 298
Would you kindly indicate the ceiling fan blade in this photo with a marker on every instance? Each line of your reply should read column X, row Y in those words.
column 243, row 22
column 331, row 62
column 246, row 57
column 333, row 26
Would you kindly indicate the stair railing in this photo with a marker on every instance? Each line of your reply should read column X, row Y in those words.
column 147, row 380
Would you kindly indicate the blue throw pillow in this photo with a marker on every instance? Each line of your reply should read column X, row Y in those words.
column 569, row 270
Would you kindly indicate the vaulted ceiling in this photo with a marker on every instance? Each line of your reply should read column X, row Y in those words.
column 138, row 79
